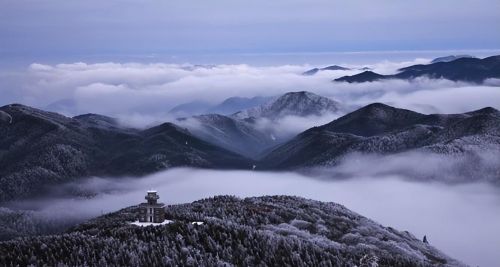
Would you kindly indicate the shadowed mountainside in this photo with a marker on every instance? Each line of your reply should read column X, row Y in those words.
column 40, row 148
column 382, row 129
column 242, row 132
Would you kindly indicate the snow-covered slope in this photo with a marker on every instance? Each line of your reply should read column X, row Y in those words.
column 226, row 107
column 5, row 118
column 99, row 121
column 381, row 129
column 232, row 134
column 299, row 104
column 252, row 131
column 257, row 231
column 235, row 104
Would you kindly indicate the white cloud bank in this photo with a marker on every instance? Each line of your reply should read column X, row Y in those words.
column 138, row 92
column 455, row 218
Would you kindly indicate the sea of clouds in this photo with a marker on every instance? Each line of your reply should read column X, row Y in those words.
column 141, row 94
column 460, row 219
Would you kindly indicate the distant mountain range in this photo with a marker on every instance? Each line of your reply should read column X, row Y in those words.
column 450, row 58
column 463, row 68
column 236, row 135
column 300, row 104
column 40, row 148
column 241, row 131
column 316, row 70
column 382, row 129
column 290, row 104
column 235, row 104
column 365, row 76
column 258, row 231
column 226, row 107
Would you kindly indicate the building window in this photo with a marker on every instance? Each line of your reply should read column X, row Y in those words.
column 151, row 218
column 150, row 210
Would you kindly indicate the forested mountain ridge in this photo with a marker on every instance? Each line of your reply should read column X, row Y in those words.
column 249, row 132
column 300, row 104
column 240, row 136
column 267, row 231
column 382, row 129
column 39, row 148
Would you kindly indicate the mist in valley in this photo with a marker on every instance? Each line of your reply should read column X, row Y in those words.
column 199, row 65
column 452, row 200
column 458, row 218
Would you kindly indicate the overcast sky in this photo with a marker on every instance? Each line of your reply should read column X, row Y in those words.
column 286, row 36
column 93, row 28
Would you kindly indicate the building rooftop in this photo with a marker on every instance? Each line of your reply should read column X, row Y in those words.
column 159, row 204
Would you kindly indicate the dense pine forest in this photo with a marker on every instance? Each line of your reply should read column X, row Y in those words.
column 260, row 231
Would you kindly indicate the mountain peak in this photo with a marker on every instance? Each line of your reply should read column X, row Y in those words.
column 310, row 72
column 19, row 108
column 382, row 129
column 335, row 67
column 365, row 76
column 15, row 107
column 316, row 70
column 236, row 103
column 373, row 119
column 94, row 117
column 284, row 218
column 300, row 103
column 18, row 111
column 97, row 121
column 382, row 111
column 164, row 127
column 485, row 111
column 450, row 58
column 300, row 94
column 376, row 106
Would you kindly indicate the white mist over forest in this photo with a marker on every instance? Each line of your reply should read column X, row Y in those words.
column 145, row 63
column 458, row 219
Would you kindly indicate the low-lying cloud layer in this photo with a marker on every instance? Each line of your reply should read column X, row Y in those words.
column 477, row 165
column 288, row 126
column 139, row 92
column 462, row 220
